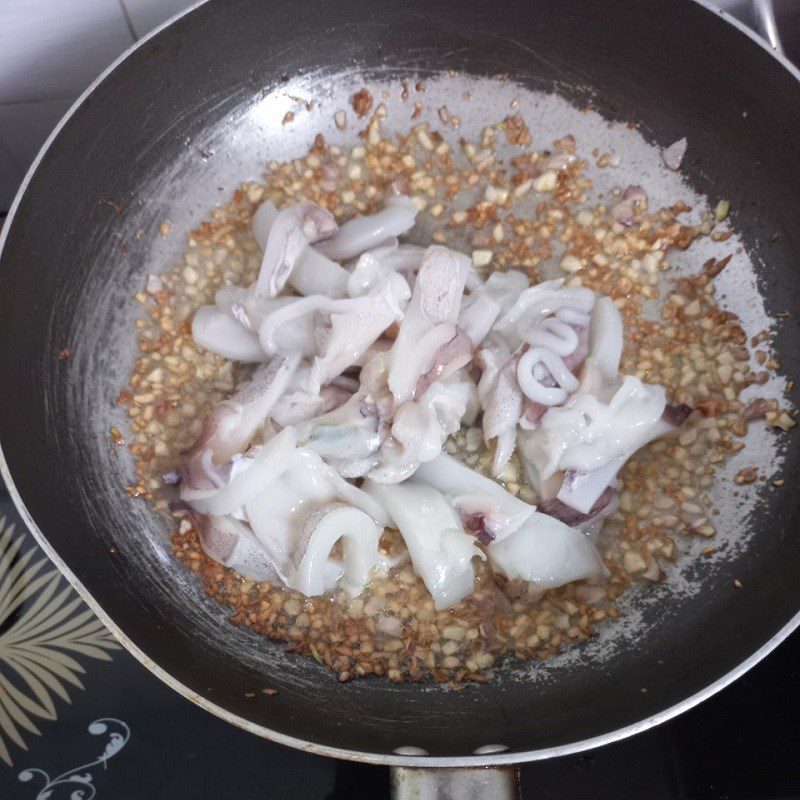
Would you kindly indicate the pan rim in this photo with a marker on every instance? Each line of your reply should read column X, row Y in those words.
column 303, row 744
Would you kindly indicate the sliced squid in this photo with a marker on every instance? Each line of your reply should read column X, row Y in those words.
column 325, row 526
column 263, row 219
column 589, row 433
column 595, row 383
column 540, row 301
column 419, row 428
column 308, row 481
column 350, row 433
column 405, row 259
column 605, row 504
column 502, row 409
column 334, row 334
column 389, row 261
column 606, row 337
column 441, row 552
column 544, row 377
column 291, row 232
column 313, row 273
column 546, row 553
column 486, row 509
column 356, row 328
column 582, row 490
column 246, row 307
column 490, row 359
column 488, row 301
column 371, row 370
column 224, row 335
column 231, row 543
column 304, row 399
column 279, row 512
column 247, row 476
column 454, row 400
column 430, row 319
column 364, row 233
column 232, row 424
column 558, row 346
column 449, row 358
column 294, row 326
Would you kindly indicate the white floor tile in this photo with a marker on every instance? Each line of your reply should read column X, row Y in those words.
column 147, row 14
column 55, row 48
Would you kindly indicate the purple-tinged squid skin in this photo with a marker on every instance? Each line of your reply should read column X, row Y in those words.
column 232, row 424
column 449, row 358
column 475, row 523
column 569, row 516
column 676, row 415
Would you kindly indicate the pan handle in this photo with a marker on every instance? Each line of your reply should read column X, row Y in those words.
column 468, row 783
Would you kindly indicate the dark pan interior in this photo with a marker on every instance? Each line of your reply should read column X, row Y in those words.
column 672, row 66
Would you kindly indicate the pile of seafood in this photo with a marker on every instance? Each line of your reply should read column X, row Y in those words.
column 370, row 354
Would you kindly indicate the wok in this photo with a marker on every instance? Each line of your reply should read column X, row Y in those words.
column 194, row 110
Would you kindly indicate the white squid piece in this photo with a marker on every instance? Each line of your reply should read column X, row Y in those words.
column 313, row 273
column 447, row 360
column 389, row 261
column 224, row 335
column 279, row 511
column 558, row 347
column 587, row 433
column 502, row 408
column 538, row 302
column 246, row 307
column 430, row 319
column 420, row 427
column 231, row 543
column 441, row 552
column 248, row 475
column 334, row 334
column 325, row 526
column 355, row 329
column 488, row 301
column 364, row 233
column 294, row 327
column 546, row 553
column 581, row 490
column 606, row 337
column 232, row 424
column 304, row 400
column 291, row 232
column 350, row 433
column 486, row 509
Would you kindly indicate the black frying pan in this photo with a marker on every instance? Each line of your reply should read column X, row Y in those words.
column 213, row 82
